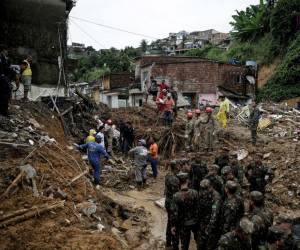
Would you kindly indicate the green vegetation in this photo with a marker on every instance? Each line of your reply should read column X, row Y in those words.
column 263, row 33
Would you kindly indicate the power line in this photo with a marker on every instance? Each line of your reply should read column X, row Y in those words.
column 82, row 30
column 113, row 28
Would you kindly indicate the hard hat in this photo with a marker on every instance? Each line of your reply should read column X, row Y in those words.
column 189, row 115
column 197, row 111
column 169, row 95
column 209, row 110
column 231, row 185
column 256, row 196
column 164, row 90
column 142, row 142
column 92, row 132
column 109, row 122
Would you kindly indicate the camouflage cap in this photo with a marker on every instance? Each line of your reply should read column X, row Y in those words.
column 173, row 162
column 226, row 170
column 215, row 167
column 256, row 196
column 231, row 185
column 246, row 225
column 182, row 176
column 205, row 184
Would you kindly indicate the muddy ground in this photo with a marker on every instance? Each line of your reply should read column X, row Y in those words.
column 130, row 218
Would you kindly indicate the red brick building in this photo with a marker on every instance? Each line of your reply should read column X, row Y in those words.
column 197, row 79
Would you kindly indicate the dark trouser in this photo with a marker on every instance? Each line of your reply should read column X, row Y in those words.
column 126, row 145
column 253, row 134
column 185, row 236
column 153, row 163
column 208, row 242
column 5, row 95
column 171, row 240
column 168, row 117
column 97, row 171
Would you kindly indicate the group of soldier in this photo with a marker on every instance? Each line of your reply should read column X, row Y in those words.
column 211, row 204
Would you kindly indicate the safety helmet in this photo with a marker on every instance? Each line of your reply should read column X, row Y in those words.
column 189, row 115
column 198, row 111
column 92, row 132
column 209, row 110
column 98, row 139
column 109, row 122
column 169, row 95
column 164, row 90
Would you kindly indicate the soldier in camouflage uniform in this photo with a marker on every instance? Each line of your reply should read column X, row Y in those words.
column 184, row 213
column 239, row 238
column 172, row 186
column 253, row 122
column 233, row 209
column 258, row 176
column 210, row 207
column 227, row 175
column 216, row 180
column 189, row 131
column 197, row 173
column 261, row 219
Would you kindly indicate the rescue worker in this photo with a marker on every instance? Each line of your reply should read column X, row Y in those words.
column 175, row 99
column 184, row 213
column 109, row 134
column 189, row 131
column 168, row 111
column 258, row 175
column 128, row 137
column 95, row 150
column 6, row 75
column 209, row 128
column 160, row 101
column 172, row 186
column 91, row 136
column 153, row 156
column 197, row 130
column 223, row 112
column 153, row 90
column 210, row 207
column 239, row 238
column 26, row 77
column 233, row 209
column 237, row 170
column 140, row 154
column 253, row 122
column 101, row 135
column 261, row 219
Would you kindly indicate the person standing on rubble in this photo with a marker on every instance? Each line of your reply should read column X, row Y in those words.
column 6, row 75
column 95, row 150
column 185, row 213
column 153, row 89
column 175, row 99
column 209, row 128
column 27, row 77
column 109, row 133
column 253, row 122
column 197, row 130
column 140, row 154
column 101, row 135
column 168, row 112
column 153, row 156
column 91, row 136
column 223, row 112
column 172, row 186
column 160, row 101
column 189, row 131
column 128, row 137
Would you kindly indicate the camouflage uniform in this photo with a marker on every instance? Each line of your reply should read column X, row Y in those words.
column 256, row 175
column 196, row 175
column 262, row 220
column 172, row 186
column 217, row 183
column 189, row 127
column 210, row 207
column 184, row 215
column 253, row 123
column 209, row 128
column 230, row 241
column 233, row 211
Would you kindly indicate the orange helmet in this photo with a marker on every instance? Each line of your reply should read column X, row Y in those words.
column 198, row 111
column 109, row 122
column 189, row 115
column 209, row 110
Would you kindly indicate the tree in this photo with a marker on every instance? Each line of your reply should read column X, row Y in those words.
column 144, row 45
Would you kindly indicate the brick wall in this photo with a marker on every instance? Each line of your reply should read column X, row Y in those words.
column 120, row 80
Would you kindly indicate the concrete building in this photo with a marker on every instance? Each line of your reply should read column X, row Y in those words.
column 198, row 80
column 30, row 27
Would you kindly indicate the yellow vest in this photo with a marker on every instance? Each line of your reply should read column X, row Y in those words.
column 27, row 71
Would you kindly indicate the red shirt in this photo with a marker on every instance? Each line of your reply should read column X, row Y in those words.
column 169, row 104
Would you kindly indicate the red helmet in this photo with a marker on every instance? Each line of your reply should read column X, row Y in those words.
column 197, row 111
column 109, row 122
column 189, row 115
column 209, row 110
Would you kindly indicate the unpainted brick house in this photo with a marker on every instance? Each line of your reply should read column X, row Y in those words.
column 198, row 80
